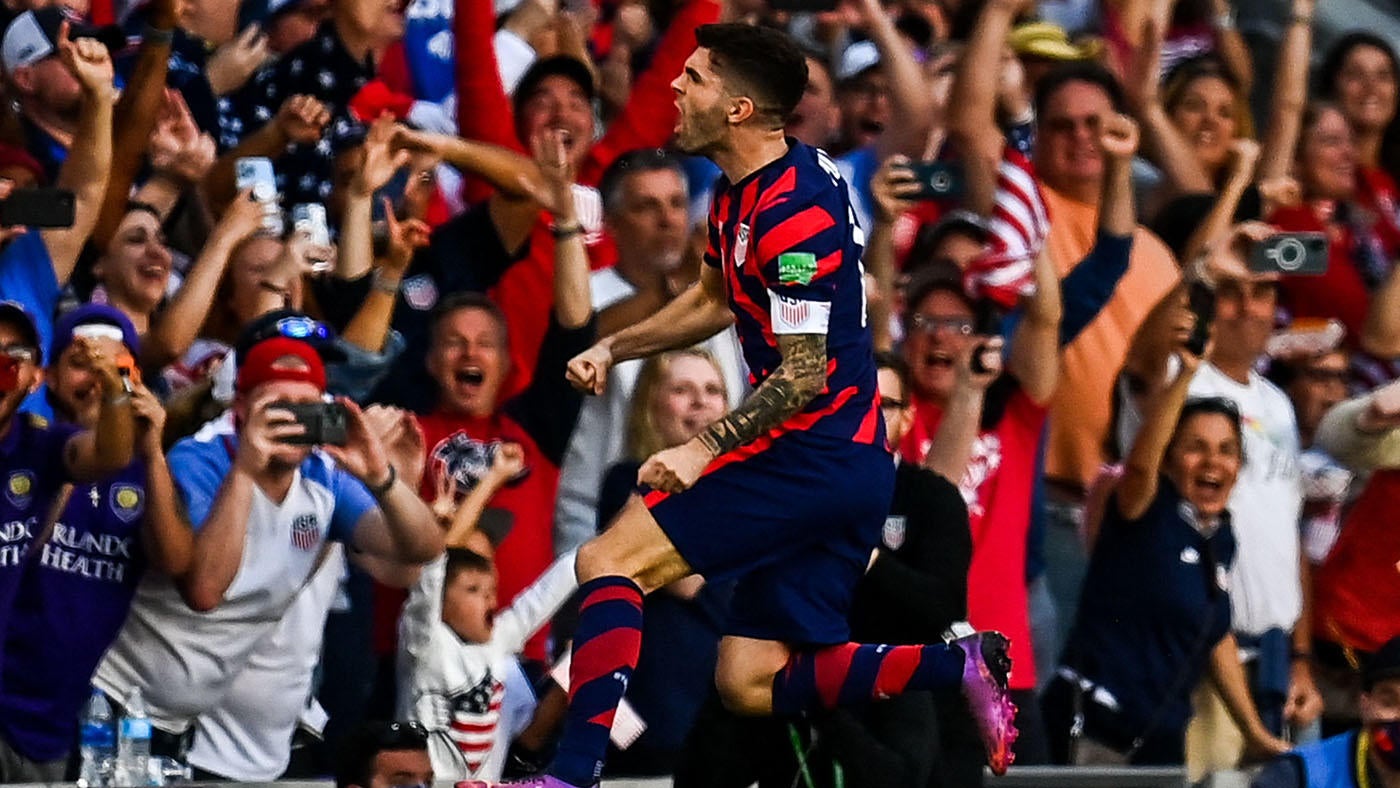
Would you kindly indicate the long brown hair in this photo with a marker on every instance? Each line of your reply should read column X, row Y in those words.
column 643, row 439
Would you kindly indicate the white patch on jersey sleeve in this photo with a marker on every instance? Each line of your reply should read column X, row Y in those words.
column 798, row 316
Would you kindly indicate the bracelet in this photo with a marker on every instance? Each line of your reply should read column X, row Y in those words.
column 156, row 35
column 565, row 231
column 384, row 284
column 1301, row 19
column 383, row 489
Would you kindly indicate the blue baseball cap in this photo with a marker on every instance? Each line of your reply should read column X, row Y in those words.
column 93, row 314
column 15, row 314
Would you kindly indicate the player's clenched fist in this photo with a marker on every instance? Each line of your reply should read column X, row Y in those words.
column 675, row 469
column 588, row 371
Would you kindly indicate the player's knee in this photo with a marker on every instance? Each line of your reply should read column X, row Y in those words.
column 743, row 692
column 593, row 561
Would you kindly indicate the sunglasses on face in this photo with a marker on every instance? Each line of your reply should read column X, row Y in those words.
column 932, row 324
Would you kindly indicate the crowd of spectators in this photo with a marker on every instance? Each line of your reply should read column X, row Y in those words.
column 284, row 481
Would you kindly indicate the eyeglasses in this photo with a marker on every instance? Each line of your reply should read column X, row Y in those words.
column 21, row 354
column 931, row 324
column 891, row 402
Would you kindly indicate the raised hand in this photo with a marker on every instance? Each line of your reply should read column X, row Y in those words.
column 980, row 363
column 233, row 63
column 89, row 61
column 1244, row 155
column 508, row 462
column 90, row 355
column 177, row 147
column 588, row 371
column 1119, row 137
column 405, row 237
column 892, row 187
column 556, row 192
column 242, row 218
column 301, row 119
column 381, row 160
column 150, row 421
column 363, row 455
column 264, row 433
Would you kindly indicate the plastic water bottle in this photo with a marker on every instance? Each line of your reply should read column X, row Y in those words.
column 134, row 743
column 98, row 742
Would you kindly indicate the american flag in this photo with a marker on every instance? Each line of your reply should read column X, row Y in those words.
column 475, row 714
column 1018, row 226
column 306, row 533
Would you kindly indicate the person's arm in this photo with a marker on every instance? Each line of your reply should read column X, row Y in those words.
column 175, row 327
column 695, row 315
column 379, row 165
column 1035, row 349
column 1361, row 433
column 973, row 127
column 1381, row 336
column 401, row 527
column 1304, row 702
column 910, row 99
column 108, row 446
column 890, row 187
column 299, row 120
column 165, row 533
column 223, row 523
column 951, row 448
column 1138, row 487
column 136, row 113
column 1217, row 224
column 89, row 162
column 460, row 520
column 1290, row 94
column 1230, row 680
column 534, row 606
column 484, row 110
column 573, row 302
column 1231, row 46
column 1164, row 144
column 369, row 328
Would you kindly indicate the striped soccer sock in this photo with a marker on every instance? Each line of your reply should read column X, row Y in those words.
column 854, row 673
column 606, row 645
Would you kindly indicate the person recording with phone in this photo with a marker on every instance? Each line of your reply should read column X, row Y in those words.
column 89, row 557
column 1269, row 581
column 266, row 488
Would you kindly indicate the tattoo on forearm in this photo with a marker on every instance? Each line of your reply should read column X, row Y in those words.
column 792, row 385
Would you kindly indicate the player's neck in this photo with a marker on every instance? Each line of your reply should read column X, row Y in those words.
column 748, row 151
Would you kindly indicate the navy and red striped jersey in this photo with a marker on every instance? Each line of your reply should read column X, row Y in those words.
column 789, row 246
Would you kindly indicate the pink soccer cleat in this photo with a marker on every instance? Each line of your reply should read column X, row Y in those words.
column 985, row 670
column 543, row 781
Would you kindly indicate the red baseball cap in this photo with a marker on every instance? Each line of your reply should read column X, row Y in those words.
column 259, row 366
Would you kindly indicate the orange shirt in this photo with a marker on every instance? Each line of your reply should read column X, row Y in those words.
column 1081, row 409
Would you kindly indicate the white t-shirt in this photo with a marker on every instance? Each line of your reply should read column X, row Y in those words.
column 1265, row 506
column 469, row 695
column 186, row 661
column 601, row 432
column 249, row 736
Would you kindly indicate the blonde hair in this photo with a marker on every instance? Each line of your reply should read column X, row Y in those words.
column 643, row 439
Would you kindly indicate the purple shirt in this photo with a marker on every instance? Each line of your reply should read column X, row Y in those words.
column 74, row 594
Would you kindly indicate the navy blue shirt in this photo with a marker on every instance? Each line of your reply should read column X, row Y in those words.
column 74, row 594
column 1154, row 604
column 32, row 470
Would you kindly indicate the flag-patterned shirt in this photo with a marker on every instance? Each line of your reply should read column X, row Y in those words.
column 789, row 246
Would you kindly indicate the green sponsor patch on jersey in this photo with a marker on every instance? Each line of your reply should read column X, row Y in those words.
column 797, row 268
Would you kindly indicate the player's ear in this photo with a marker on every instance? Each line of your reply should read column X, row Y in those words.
column 741, row 108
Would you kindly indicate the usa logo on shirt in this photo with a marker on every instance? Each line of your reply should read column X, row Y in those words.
column 420, row 292
column 741, row 245
column 893, row 533
column 305, row 534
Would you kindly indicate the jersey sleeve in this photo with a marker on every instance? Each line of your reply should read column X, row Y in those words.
column 352, row 500
column 202, row 467
column 800, row 246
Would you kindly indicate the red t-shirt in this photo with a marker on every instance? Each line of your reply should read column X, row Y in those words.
column 1354, row 599
column 997, row 488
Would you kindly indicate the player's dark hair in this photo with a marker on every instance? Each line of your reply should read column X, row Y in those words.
column 460, row 559
column 759, row 62
column 1080, row 71
column 632, row 163
column 354, row 764
column 456, row 302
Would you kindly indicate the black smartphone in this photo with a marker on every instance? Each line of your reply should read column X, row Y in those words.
column 38, row 208
column 325, row 422
column 1295, row 254
column 938, row 180
column 1203, row 307
column 803, row 6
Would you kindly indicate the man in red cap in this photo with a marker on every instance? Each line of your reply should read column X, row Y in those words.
column 264, row 503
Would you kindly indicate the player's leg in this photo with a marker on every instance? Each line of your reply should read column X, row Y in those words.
column 630, row 559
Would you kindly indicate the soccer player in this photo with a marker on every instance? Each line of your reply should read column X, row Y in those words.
column 789, row 491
